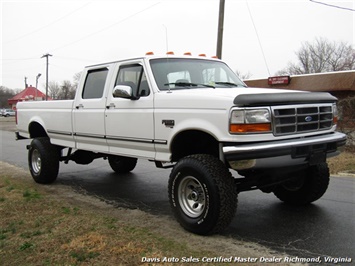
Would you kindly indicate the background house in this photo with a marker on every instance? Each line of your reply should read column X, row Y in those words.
column 340, row 84
column 28, row 94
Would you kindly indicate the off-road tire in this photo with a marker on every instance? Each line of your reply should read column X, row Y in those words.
column 43, row 160
column 122, row 165
column 309, row 188
column 202, row 194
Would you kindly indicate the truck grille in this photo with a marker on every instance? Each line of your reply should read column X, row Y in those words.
column 301, row 118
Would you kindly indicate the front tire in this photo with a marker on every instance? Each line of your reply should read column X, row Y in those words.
column 43, row 161
column 306, row 189
column 202, row 194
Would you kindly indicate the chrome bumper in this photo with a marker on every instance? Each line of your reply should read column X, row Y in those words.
column 297, row 148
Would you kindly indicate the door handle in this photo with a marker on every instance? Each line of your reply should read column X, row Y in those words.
column 79, row 106
column 110, row 105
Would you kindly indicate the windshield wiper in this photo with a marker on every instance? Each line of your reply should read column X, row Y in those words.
column 188, row 84
column 229, row 84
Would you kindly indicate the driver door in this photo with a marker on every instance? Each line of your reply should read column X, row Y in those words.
column 129, row 121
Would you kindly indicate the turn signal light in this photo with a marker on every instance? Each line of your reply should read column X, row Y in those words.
column 335, row 120
column 250, row 128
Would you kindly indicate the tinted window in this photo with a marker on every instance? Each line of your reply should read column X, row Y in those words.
column 95, row 84
column 133, row 76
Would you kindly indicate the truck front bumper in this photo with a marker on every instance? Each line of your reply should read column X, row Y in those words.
column 311, row 150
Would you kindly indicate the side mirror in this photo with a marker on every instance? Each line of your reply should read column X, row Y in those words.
column 122, row 91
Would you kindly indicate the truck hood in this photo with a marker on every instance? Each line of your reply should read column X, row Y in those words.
column 225, row 98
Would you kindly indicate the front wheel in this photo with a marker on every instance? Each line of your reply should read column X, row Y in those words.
column 307, row 188
column 43, row 161
column 202, row 194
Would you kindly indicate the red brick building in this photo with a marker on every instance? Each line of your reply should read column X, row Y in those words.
column 340, row 84
column 28, row 94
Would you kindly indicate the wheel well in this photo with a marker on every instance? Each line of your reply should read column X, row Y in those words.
column 193, row 142
column 36, row 130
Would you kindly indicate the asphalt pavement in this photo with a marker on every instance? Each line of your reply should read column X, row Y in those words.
column 324, row 228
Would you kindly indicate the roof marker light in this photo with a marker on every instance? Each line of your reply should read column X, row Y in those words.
column 215, row 57
column 187, row 53
column 149, row 53
column 202, row 55
column 170, row 53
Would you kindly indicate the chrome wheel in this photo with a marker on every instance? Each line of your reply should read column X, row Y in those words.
column 36, row 161
column 191, row 197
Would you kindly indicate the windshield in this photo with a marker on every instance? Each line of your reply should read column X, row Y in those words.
column 182, row 73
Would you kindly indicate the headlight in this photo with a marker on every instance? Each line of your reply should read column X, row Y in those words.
column 250, row 121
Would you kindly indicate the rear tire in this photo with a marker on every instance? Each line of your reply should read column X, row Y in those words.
column 122, row 165
column 305, row 189
column 202, row 194
column 43, row 161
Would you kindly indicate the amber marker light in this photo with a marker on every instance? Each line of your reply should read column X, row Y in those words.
column 170, row 53
column 335, row 114
column 250, row 128
column 149, row 53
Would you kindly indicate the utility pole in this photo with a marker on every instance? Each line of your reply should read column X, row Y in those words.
column 220, row 28
column 46, row 55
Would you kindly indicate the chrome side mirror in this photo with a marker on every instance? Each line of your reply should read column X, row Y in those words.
column 122, row 91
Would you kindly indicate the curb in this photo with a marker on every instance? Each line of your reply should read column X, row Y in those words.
column 345, row 174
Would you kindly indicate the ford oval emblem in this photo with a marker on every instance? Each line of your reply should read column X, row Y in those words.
column 308, row 118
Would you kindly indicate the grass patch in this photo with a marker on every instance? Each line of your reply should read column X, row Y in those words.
column 38, row 229
column 29, row 194
column 344, row 162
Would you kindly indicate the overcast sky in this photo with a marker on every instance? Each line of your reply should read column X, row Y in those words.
column 81, row 33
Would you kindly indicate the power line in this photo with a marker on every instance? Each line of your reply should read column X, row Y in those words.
column 18, row 59
column 105, row 28
column 325, row 4
column 50, row 24
column 257, row 35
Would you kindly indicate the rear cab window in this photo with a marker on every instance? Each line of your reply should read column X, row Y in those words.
column 95, row 83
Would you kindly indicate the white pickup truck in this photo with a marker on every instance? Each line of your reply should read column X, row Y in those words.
column 195, row 115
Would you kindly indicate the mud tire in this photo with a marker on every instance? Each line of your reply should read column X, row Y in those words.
column 306, row 189
column 43, row 160
column 202, row 194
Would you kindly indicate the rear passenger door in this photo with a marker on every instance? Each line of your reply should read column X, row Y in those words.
column 89, row 111
column 129, row 122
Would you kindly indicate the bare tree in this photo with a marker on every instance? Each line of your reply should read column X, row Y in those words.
column 76, row 79
column 53, row 90
column 243, row 76
column 67, row 90
column 5, row 94
column 321, row 56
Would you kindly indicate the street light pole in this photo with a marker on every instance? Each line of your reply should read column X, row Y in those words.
column 37, row 77
column 220, row 28
column 46, row 55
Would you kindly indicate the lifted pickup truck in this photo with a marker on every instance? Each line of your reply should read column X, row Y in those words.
column 195, row 115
